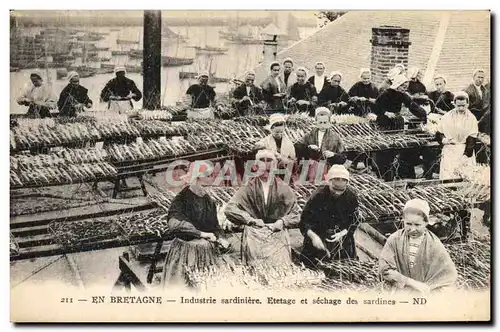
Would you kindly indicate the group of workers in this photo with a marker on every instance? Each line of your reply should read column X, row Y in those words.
column 74, row 98
column 266, row 208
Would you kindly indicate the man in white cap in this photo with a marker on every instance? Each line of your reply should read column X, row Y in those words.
column 319, row 79
column 478, row 94
column 274, row 89
column 302, row 96
column 414, row 258
column 120, row 91
column 329, row 220
column 266, row 206
column 37, row 97
column 388, row 108
column 248, row 96
column 334, row 96
column 202, row 98
column 278, row 141
column 457, row 132
column 363, row 94
column 73, row 97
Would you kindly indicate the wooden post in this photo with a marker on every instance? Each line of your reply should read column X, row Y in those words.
column 152, row 60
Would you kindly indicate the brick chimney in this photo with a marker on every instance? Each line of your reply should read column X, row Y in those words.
column 390, row 46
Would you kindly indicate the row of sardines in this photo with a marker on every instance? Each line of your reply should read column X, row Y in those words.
column 29, row 134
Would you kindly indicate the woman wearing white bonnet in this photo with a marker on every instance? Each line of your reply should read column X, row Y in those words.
column 415, row 86
column 265, row 207
column 248, row 96
column 329, row 220
column 363, row 94
column 319, row 79
column 302, row 97
column 38, row 97
column 120, row 91
column 334, row 96
column 194, row 226
column 413, row 258
column 278, row 141
column 74, row 97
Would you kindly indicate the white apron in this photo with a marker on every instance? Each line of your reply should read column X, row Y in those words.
column 452, row 159
column 201, row 113
column 456, row 126
column 120, row 106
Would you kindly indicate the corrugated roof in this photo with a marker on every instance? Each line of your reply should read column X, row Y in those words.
column 344, row 44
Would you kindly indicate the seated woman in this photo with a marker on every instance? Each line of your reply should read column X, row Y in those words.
column 278, row 141
column 266, row 206
column 363, row 94
column 248, row 96
column 414, row 258
column 321, row 143
column 303, row 96
column 334, row 96
column 329, row 220
column 194, row 226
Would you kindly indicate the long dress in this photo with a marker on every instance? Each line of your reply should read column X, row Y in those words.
column 433, row 265
column 260, row 246
column 325, row 215
column 458, row 127
column 188, row 216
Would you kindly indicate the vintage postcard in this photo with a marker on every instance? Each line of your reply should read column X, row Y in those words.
column 250, row 166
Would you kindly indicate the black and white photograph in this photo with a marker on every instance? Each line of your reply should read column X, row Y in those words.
column 250, row 166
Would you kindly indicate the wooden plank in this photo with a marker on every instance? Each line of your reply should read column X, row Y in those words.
column 373, row 233
column 73, row 217
column 35, row 241
column 30, row 231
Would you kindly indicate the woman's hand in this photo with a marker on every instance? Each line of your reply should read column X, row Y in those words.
column 257, row 222
column 328, row 154
column 223, row 242
column 393, row 275
column 277, row 226
column 208, row 236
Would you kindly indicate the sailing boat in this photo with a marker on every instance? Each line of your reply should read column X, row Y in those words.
column 212, row 79
column 207, row 49
column 168, row 35
column 84, row 70
column 289, row 25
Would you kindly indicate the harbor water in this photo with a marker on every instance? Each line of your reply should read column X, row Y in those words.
column 233, row 63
